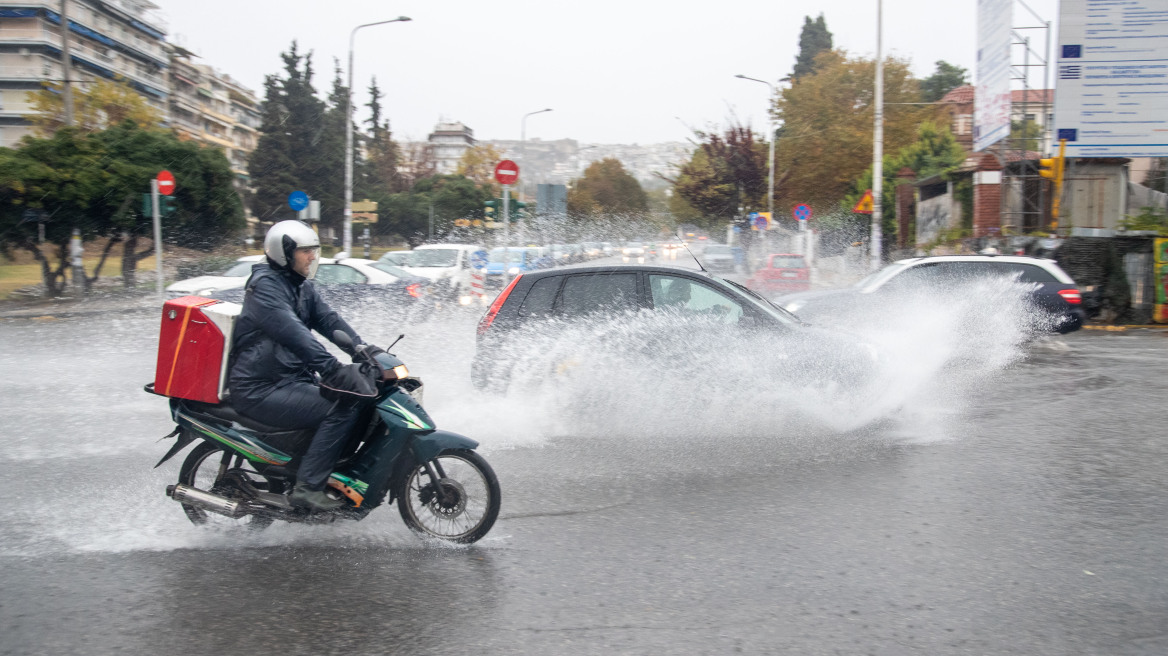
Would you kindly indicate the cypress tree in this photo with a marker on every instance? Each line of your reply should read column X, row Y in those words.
column 813, row 40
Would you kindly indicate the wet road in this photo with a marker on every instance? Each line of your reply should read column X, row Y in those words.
column 1021, row 511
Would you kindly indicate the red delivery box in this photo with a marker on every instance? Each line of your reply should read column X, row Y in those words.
column 193, row 348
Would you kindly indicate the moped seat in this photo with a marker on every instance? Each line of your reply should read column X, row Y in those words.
column 225, row 412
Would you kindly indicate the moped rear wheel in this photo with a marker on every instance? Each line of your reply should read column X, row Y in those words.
column 461, row 508
column 203, row 470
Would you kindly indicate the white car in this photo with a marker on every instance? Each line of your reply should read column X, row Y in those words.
column 633, row 251
column 234, row 277
column 449, row 266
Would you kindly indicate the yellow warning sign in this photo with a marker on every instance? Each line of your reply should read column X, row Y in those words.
column 865, row 204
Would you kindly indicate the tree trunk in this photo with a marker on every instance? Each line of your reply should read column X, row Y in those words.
column 130, row 260
column 50, row 277
column 97, row 270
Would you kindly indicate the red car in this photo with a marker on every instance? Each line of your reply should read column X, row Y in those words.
column 784, row 272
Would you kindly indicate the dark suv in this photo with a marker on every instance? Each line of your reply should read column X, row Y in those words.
column 689, row 308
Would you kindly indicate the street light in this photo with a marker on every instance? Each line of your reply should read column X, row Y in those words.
column 347, row 239
column 523, row 144
column 771, row 160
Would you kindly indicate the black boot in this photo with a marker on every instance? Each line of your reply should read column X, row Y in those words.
column 303, row 497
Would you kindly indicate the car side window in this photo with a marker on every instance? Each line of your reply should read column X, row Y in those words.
column 689, row 297
column 1028, row 272
column 338, row 274
column 607, row 293
column 541, row 298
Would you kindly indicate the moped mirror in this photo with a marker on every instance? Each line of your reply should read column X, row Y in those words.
column 342, row 340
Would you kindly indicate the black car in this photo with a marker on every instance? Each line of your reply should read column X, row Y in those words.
column 1053, row 302
column 671, row 314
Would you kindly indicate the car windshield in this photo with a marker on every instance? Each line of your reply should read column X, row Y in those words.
column 787, row 262
column 434, row 257
column 390, row 269
column 239, row 270
column 874, row 280
column 782, row 315
column 397, row 257
column 502, row 255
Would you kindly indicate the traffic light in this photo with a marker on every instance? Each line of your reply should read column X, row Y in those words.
column 1050, row 168
column 167, row 205
column 491, row 209
column 516, row 208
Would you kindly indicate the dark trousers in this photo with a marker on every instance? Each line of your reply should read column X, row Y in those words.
column 300, row 405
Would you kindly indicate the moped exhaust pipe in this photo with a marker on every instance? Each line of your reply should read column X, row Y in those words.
column 205, row 500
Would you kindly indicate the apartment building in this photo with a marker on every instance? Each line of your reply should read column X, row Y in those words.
column 213, row 109
column 449, row 142
column 112, row 39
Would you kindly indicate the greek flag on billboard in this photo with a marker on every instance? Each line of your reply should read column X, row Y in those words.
column 1111, row 98
column 991, row 100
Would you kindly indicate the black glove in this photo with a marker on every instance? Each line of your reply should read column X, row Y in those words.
column 368, row 353
column 349, row 382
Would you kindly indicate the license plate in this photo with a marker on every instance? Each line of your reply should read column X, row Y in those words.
column 790, row 274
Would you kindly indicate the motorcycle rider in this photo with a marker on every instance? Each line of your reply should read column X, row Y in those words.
column 274, row 354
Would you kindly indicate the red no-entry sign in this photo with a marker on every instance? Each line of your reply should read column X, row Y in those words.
column 165, row 183
column 506, row 172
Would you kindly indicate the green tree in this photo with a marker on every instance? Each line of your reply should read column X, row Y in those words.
column 813, row 40
column 827, row 117
column 607, row 188
column 943, row 80
column 286, row 158
column 407, row 214
column 935, row 151
column 95, row 183
column 478, row 163
column 380, row 170
column 1026, row 135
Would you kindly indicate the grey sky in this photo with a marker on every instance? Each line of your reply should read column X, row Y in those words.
column 613, row 71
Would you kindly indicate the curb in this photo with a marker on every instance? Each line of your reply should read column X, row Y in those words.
column 1120, row 329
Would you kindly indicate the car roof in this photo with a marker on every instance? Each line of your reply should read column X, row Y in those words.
column 1046, row 264
column 430, row 246
column 614, row 268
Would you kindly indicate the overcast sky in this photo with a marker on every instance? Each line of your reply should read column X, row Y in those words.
column 613, row 71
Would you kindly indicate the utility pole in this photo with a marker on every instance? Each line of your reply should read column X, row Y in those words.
column 66, row 64
column 878, row 144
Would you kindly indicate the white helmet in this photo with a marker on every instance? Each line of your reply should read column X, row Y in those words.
column 284, row 238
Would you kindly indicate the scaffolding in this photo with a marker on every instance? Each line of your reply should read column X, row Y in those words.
column 1025, row 198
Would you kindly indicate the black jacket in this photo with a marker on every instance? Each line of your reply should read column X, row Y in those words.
column 272, row 344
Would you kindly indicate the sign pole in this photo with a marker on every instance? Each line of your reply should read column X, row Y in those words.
column 157, row 233
column 506, row 232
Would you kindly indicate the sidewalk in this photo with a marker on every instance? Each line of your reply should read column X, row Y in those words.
column 60, row 308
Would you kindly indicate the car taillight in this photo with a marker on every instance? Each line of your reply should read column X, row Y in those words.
column 412, row 290
column 489, row 317
column 1071, row 296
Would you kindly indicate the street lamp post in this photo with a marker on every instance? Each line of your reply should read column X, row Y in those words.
column 771, row 159
column 523, row 163
column 523, row 144
column 347, row 239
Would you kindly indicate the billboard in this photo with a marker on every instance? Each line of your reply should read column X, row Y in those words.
column 1111, row 97
column 991, row 100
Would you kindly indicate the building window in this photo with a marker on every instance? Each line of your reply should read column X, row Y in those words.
column 962, row 123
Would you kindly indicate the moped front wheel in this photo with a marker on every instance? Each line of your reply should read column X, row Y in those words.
column 460, row 506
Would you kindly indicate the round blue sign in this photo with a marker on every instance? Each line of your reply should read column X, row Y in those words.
column 802, row 212
column 478, row 259
column 298, row 200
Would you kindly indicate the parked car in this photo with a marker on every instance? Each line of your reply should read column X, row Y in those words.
column 505, row 262
column 1054, row 302
column 448, row 266
column 696, row 309
column 782, row 273
column 235, row 277
column 396, row 258
column 354, row 281
column 718, row 257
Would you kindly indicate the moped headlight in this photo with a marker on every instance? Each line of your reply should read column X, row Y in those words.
column 400, row 372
